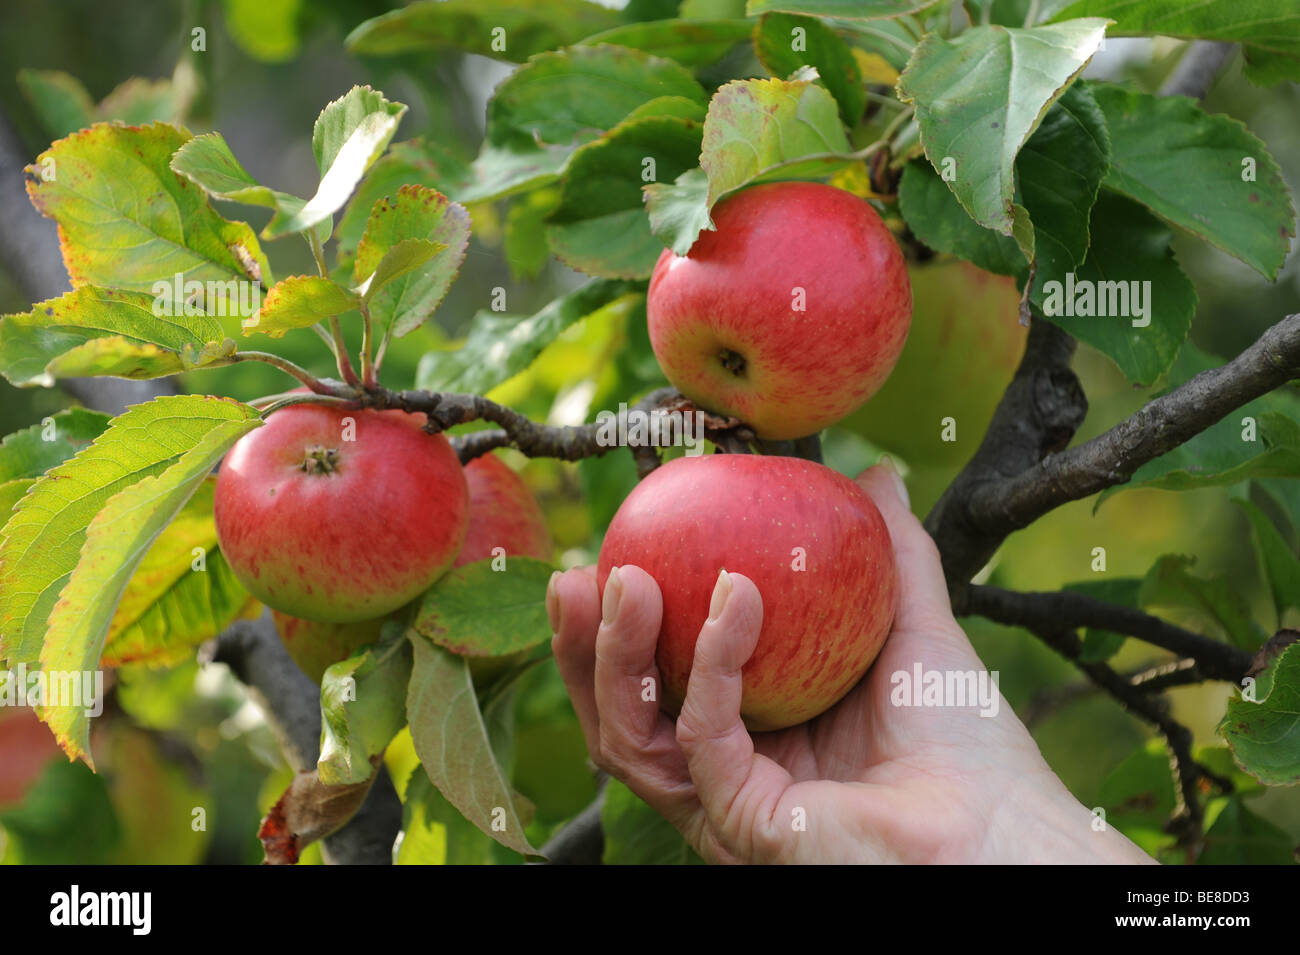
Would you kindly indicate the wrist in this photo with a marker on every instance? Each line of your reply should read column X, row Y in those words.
column 1040, row 822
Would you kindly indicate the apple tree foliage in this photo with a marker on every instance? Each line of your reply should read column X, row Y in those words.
column 966, row 125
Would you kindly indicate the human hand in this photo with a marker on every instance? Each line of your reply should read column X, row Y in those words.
column 867, row 781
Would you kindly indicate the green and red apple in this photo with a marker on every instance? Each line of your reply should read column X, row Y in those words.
column 789, row 315
column 340, row 516
column 810, row 539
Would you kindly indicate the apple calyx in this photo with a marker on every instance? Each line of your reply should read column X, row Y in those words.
column 320, row 460
column 733, row 361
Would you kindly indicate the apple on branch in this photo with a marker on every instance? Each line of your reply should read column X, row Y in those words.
column 789, row 316
column 812, row 542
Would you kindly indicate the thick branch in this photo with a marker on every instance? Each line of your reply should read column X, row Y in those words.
column 1001, row 491
column 1065, row 609
column 1162, row 425
column 1039, row 412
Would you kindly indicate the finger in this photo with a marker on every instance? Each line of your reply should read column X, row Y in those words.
column 573, row 605
column 719, row 750
column 627, row 678
column 923, row 601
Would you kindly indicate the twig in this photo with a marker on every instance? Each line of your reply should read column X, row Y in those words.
column 1197, row 69
column 1040, row 611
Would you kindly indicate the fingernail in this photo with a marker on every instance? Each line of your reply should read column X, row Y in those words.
column 553, row 603
column 613, row 594
column 888, row 464
column 721, row 591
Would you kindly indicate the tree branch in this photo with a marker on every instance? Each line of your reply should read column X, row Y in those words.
column 1039, row 412
column 1197, row 69
column 291, row 702
column 1042, row 611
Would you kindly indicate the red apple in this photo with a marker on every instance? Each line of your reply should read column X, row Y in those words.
column 335, row 515
column 26, row 747
column 315, row 645
column 502, row 513
column 810, row 539
column 790, row 315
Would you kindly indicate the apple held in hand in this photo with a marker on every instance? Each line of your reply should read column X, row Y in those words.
column 339, row 516
column 789, row 316
column 811, row 540
column 502, row 513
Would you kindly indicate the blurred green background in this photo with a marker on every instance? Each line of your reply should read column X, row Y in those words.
column 174, row 741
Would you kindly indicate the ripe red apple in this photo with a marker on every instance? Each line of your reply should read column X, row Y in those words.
column 789, row 316
column 810, row 539
column 26, row 747
column 336, row 515
column 502, row 513
column 315, row 645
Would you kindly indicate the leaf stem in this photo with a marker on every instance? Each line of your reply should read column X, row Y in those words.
column 317, row 252
column 1032, row 16
column 341, row 353
column 368, row 371
column 286, row 366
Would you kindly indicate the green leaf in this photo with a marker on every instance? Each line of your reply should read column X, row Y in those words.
column 435, row 833
column 600, row 225
column 936, row 218
column 32, row 451
column 500, row 346
column 1238, row 836
column 350, row 134
column 182, row 593
column 1191, row 169
column 689, row 42
column 759, row 129
column 299, row 301
column 65, row 799
column 1268, row 31
column 502, row 29
column 1281, row 567
column 787, row 43
column 637, row 835
column 403, row 258
column 858, row 9
column 208, row 162
column 679, row 212
column 43, row 539
column 267, row 30
column 118, row 536
column 525, row 245
column 1129, row 260
column 138, row 102
column 59, row 101
column 1264, row 735
column 479, row 611
column 362, row 707
column 1058, row 174
column 503, row 170
column 452, row 741
column 1170, row 583
column 11, row 492
column 1259, row 440
column 415, row 162
column 96, row 331
column 980, row 95
column 113, row 193
column 416, row 212
column 571, row 96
